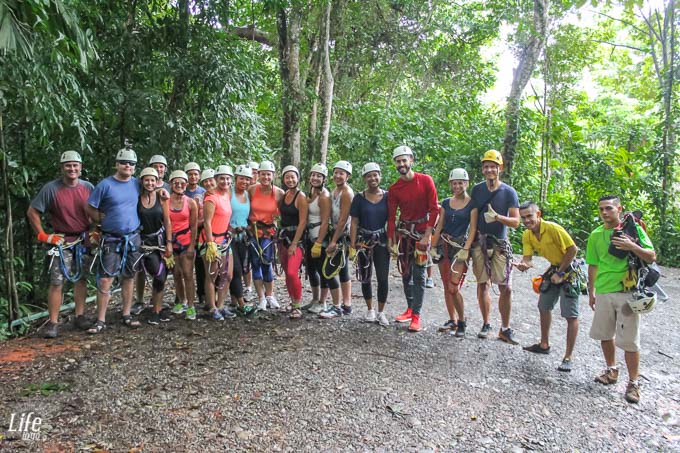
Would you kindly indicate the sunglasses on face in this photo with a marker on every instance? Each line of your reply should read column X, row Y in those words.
column 127, row 162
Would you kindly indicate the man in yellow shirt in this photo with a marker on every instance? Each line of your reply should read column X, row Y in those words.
column 551, row 241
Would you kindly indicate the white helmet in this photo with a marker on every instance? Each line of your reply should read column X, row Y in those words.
column 70, row 156
column 402, row 150
column 254, row 165
column 148, row 171
column 267, row 165
column 459, row 173
column 224, row 170
column 207, row 174
column 158, row 159
column 126, row 154
column 192, row 166
column 642, row 301
column 244, row 170
column 178, row 174
column 343, row 165
column 288, row 168
column 319, row 168
column 369, row 167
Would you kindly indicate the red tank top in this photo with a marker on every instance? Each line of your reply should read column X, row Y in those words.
column 180, row 222
column 221, row 218
column 263, row 208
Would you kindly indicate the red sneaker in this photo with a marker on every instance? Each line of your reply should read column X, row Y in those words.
column 415, row 324
column 405, row 316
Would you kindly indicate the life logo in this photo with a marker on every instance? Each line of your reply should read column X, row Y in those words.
column 27, row 424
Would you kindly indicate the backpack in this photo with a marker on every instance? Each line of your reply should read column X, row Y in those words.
column 647, row 273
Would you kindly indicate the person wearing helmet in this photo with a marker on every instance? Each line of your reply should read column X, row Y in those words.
column 160, row 164
column 318, row 220
column 113, row 205
column 154, row 216
column 614, row 324
column 264, row 208
column 184, row 218
column 368, row 239
column 560, row 280
column 64, row 201
column 453, row 237
column 240, row 210
column 195, row 192
column 416, row 197
column 254, row 168
column 498, row 207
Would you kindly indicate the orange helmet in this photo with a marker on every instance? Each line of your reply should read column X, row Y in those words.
column 536, row 283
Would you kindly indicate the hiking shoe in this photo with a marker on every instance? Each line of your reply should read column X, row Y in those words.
column 448, row 326
column 137, row 308
column 215, row 315
column 405, row 316
column 565, row 366
column 190, row 314
column 507, row 336
column 633, row 392
column 262, row 306
column 246, row 310
column 346, row 310
column 486, row 330
column 51, row 330
column 429, row 283
column 164, row 315
column 272, row 302
column 317, row 308
column 537, row 348
column 309, row 305
column 608, row 377
column 370, row 316
column 178, row 309
column 226, row 313
column 82, row 322
column 460, row 330
column 154, row 319
column 331, row 312
column 382, row 319
column 415, row 324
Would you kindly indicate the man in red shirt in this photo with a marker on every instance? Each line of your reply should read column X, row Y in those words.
column 415, row 196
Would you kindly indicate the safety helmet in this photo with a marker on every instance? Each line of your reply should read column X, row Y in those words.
column 369, row 167
column 493, row 156
column 254, row 165
column 288, row 168
column 319, row 168
column 192, row 166
column 126, row 154
column 179, row 174
column 207, row 174
column 244, row 170
column 224, row 170
column 536, row 284
column 459, row 173
column 70, row 156
column 402, row 150
column 343, row 165
column 642, row 301
column 158, row 159
column 148, row 171
column 267, row 165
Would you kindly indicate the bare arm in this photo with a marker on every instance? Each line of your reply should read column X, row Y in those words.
column 34, row 219
column 168, row 226
column 208, row 214
column 626, row 243
column 472, row 231
column 325, row 212
column 438, row 228
column 193, row 222
column 511, row 220
column 353, row 227
column 302, row 206
column 592, row 275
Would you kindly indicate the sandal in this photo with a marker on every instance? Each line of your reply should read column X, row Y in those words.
column 130, row 321
column 295, row 313
column 537, row 349
column 97, row 327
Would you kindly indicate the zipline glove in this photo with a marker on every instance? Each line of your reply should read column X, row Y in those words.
column 394, row 251
column 211, row 252
column 316, row 250
column 490, row 215
column 53, row 239
column 463, row 255
column 169, row 261
column 435, row 255
column 352, row 253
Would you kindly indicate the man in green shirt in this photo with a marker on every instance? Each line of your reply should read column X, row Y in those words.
column 614, row 323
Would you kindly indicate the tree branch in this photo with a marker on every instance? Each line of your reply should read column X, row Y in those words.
column 621, row 45
column 251, row 33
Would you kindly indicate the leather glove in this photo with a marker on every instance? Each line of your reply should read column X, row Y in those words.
column 463, row 255
column 394, row 251
column 53, row 239
column 316, row 250
column 490, row 215
column 211, row 252
column 352, row 253
column 169, row 261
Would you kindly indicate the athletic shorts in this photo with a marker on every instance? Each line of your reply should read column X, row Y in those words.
column 614, row 320
column 55, row 273
column 111, row 255
column 568, row 305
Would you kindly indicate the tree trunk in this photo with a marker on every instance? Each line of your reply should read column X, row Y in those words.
column 288, row 27
column 530, row 53
column 326, row 83
column 180, row 83
column 313, row 113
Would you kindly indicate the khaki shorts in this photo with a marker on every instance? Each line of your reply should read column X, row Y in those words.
column 499, row 263
column 568, row 305
column 54, row 266
column 614, row 320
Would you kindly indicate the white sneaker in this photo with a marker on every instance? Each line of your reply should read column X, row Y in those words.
column 262, row 306
column 382, row 319
column 370, row 316
column 273, row 303
column 429, row 283
column 317, row 308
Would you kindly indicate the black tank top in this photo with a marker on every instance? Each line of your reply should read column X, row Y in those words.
column 290, row 215
column 150, row 218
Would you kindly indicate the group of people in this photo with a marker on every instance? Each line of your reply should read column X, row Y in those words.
column 231, row 228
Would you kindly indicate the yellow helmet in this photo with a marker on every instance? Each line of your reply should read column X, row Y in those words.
column 493, row 156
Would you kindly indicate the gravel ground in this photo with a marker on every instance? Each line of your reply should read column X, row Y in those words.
column 274, row 384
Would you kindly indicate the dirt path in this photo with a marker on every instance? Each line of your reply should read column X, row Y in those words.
column 272, row 384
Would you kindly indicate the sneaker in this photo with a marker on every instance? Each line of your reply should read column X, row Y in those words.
column 246, row 310
column 318, row 308
column 215, row 315
column 154, row 319
column 51, row 330
column 405, row 316
column 460, row 330
column 331, row 312
column 309, row 305
column 382, row 319
column 262, row 306
column 190, row 314
column 370, row 316
column 272, row 302
column 486, row 330
column 137, row 308
column 178, row 309
column 608, row 377
column 429, row 283
column 82, row 322
column 448, row 326
column 165, row 316
column 226, row 313
column 565, row 366
column 415, row 324
column 346, row 310
column 633, row 392
column 248, row 293
column 507, row 336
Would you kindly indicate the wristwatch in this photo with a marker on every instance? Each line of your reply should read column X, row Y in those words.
column 560, row 274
